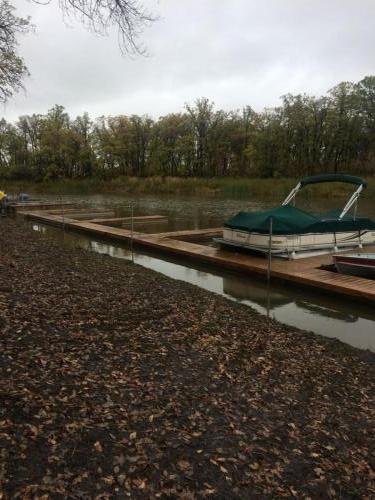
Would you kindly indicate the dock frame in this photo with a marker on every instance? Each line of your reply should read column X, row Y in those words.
column 309, row 271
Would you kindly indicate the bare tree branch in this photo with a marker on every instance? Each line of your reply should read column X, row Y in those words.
column 129, row 17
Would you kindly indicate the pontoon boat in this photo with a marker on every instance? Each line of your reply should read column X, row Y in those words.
column 290, row 232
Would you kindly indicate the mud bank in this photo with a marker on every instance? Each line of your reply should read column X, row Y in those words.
column 116, row 381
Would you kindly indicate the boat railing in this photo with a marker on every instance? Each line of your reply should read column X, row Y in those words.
column 352, row 201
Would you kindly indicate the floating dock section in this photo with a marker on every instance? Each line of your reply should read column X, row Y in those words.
column 307, row 272
column 18, row 206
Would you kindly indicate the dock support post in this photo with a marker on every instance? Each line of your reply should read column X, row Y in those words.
column 63, row 213
column 132, row 231
column 268, row 300
column 269, row 253
column 335, row 248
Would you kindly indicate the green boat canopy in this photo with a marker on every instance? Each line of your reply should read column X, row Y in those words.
column 291, row 220
column 317, row 179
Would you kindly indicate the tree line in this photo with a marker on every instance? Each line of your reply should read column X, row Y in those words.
column 304, row 136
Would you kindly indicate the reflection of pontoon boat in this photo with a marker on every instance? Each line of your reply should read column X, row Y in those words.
column 359, row 264
column 287, row 231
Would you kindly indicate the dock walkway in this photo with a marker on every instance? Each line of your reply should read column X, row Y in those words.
column 307, row 272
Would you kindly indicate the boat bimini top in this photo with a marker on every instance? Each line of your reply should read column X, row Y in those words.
column 317, row 179
column 291, row 232
column 290, row 220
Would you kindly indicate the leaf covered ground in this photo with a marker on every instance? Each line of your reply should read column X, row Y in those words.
column 116, row 382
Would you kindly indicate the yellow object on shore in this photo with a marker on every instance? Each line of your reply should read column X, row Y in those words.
column 2, row 195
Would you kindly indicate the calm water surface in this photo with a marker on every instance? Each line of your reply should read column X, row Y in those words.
column 323, row 314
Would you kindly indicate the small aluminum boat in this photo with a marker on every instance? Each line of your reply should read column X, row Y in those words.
column 357, row 264
column 289, row 232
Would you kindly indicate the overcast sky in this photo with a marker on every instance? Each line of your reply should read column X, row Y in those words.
column 235, row 52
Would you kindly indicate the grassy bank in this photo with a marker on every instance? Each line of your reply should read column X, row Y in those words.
column 228, row 187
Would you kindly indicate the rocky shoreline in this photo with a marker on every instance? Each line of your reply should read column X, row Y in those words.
column 116, row 382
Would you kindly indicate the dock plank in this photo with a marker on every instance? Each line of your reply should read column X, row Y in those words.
column 19, row 207
column 127, row 220
column 191, row 234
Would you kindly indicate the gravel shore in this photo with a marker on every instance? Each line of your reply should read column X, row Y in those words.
column 116, row 382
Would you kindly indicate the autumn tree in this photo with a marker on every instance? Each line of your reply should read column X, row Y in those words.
column 173, row 145
column 305, row 135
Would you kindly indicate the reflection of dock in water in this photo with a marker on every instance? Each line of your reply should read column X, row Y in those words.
column 327, row 312
column 272, row 298
column 261, row 294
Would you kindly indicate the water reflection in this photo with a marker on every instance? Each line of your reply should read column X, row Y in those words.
column 273, row 298
column 262, row 294
column 328, row 312
column 325, row 315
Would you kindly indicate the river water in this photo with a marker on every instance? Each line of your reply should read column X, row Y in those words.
column 323, row 314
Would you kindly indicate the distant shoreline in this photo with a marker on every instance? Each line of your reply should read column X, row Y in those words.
column 229, row 187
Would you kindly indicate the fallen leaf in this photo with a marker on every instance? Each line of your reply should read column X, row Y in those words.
column 183, row 465
column 98, row 447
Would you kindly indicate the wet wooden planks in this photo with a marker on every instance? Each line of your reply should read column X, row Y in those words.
column 191, row 234
column 119, row 221
column 303, row 271
column 89, row 215
column 353, row 287
column 36, row 205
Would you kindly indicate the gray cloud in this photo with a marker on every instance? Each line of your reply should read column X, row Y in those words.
column 235, row 53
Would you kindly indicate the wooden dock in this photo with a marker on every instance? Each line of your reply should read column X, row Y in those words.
column 191, row 234
column 126, row 221
column 18, row 206
column 307, row 272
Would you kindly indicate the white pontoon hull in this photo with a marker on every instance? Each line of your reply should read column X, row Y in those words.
column 297, row 245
